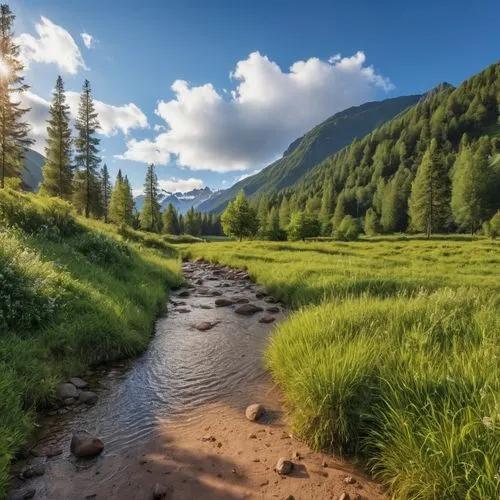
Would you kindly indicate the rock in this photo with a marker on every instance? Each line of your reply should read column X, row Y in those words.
column 205, row 306
column 87, row 397
column 344, row 496
column 252, row 436
column 349, row 480
column 248, row 309
column 79, row 383
column 209, row 438
column 254, row 412
column 33, row 471
column 273, row 309
column 203, row 326
column 84, row 444
column 260, row 295
column 324, row 464
column 65, row 391
column 271, row 300
column 48, row 451
column 183, row 293
column 160, row 491
column 222, row 302
column 22, row 494
column 284, row 466
column 266, row 319
column 183, row 310
column 240, row 300
column 69, row 401
column 297, row 456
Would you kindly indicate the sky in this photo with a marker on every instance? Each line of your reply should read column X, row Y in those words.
column 213, row 91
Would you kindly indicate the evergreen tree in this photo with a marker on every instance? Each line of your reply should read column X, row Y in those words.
column 239, row 220
column 395, row 202
column 192, row 223
column 429, row 203
column 13, row 131
column 150, row 217
column 327, row 206
column 284, row 213
column 472, row 177
column 348, row 229
column 339, row 213
column 262, row 214
column 372, row 225
column 303, row 225
column 57, row 170
column 130, row 211
column 106, row 191
column 170, row 220
column 273, row 230
column 117, row 204
column 87, row 192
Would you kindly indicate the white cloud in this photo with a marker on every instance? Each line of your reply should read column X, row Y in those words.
column 174, row 185
column 54, row 45
column 159, row 128
column 88, row 40
column 261, row 116
column 112, row 118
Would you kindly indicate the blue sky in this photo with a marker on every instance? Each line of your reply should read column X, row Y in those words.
column 351, row 52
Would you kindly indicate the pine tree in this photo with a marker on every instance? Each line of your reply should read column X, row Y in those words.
column 273, row 230
column 339, row 213
column 13, row 131
column 372, row 225
column 191, row 223
column 87, row 193
column 170, row 220
column 57, row 170
column 262, row 213
column 116, row 212
column 239, row 219
column 429, row 203
column 130, row 211
column 471, row 179
column 284, row 213
column 150, row 216
column 395, row 202
column 106, row 191
column 327, row 207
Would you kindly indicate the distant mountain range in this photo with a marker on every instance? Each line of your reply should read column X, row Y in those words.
column 32, row 173
column 307, row 151
column 182, row 202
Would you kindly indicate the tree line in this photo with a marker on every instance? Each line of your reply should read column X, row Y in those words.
column 72, row 169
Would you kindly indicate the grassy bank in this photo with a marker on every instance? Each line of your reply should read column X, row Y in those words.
column 391, row 354
column 72, row 293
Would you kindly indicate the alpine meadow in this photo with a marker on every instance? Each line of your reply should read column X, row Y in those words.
column 187, row 313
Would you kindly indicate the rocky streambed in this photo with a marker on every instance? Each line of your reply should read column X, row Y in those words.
column 172, row 424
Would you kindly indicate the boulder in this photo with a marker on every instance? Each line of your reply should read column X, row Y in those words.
column 284, row 466
column 87, row 397
column 65, row 391
column 84, row 444
column 222, row 302
column 248, row 309
column 254, row 412
column 266, row 319
column 78, row 382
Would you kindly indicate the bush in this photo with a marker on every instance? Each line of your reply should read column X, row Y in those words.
column 491, row 228
column 101, row 249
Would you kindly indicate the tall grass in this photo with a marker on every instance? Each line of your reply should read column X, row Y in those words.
column 398, row 361
column 72, row 293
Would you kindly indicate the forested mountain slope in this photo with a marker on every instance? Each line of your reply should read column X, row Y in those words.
column 376, row 174
column 320, row 142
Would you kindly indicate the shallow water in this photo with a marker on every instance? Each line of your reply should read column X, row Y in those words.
column 182, row 370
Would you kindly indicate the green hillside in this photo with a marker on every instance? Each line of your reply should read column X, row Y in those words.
column 307, row 151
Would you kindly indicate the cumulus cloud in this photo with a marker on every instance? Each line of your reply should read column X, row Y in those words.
column 88, row 40
column 207, row 130
column 174, row 185
column 53, row 45
column 112, row 118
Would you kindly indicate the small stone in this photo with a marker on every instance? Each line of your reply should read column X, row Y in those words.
column 49, row 451
column 204, row 326
column 260, row 295
column 252, row 436
column 87, row 397
column 290, row 497
column 34, row 471
column 271, row 300
column 69, row 401
column 248, row 309
column 266, row 319
column 84, row 444
column 254, row 412
column 273, row 309
column 344, row 496
column 183, row 310
column 78, row 382
column 209, row 438
column 324, row 464
column 160, row 491
column 349, row 480
column 65, row 391
column 264, row 483
column 284, row 466
column 183, row 293
column 62, row 411
column 240, row 300
column 297, row 456
column 222, row 302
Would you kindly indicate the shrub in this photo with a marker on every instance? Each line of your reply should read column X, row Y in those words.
column 101, row 249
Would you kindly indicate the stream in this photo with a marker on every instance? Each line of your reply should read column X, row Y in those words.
column 183, row 370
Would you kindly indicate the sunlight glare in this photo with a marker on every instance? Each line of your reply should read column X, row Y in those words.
column 4, row 69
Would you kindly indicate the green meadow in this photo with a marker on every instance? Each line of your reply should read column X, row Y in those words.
column 73, row 293
column 390, row 354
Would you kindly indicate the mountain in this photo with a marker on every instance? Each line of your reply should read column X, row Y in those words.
column 32, row 173
column 376, row 172
column 303, row 153
column 182, row 202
